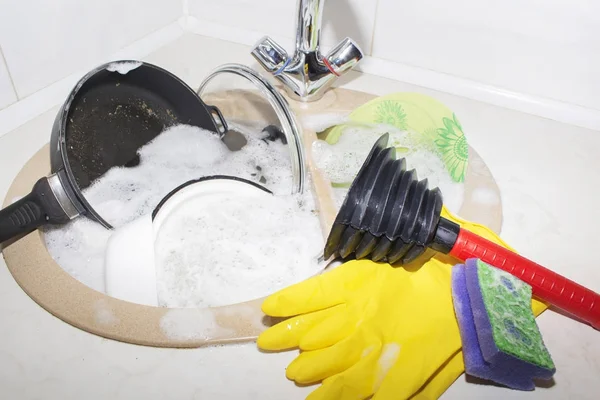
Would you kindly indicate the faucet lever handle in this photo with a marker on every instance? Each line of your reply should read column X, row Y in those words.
column 270, row 55
column 343, row 57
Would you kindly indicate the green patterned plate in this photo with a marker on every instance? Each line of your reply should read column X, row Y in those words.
column 417, row 114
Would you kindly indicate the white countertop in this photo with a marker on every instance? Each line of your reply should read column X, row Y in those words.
column 547, row 175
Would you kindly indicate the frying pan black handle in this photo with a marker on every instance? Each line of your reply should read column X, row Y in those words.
column 32, row 211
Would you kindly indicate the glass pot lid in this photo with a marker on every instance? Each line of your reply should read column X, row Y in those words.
column 260, row 124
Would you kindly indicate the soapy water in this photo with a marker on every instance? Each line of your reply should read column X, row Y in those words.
column 320, row 122
column 232, row 251
column 123, row 67
column 177, row 155
column 341, row 161
column 78, row 247
column 180, row 154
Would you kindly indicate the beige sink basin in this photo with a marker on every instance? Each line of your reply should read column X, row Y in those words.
column 73, row 302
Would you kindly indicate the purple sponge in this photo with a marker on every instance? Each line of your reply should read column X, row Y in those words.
column 501, row 342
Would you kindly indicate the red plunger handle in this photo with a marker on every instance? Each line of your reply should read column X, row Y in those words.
column 548, row 286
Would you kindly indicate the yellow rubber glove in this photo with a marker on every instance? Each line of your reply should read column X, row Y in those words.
column 368, row 328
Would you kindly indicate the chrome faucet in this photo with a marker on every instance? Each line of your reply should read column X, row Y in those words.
column 307, row 74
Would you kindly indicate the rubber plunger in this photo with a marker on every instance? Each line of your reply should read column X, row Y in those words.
column 389, row 215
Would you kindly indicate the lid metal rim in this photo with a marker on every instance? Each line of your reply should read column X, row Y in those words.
column 291, row 127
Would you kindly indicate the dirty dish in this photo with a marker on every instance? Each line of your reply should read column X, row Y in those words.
column 130, row 252
column 436, row 126
column 111, row 112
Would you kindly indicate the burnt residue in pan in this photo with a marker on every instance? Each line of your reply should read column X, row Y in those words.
column 108, row 123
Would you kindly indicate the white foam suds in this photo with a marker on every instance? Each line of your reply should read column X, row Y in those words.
column 232, row 249
column 103, row 314
column 320, row 122
column 341, row 161
column 235, row 250
column 78, row 248
column 180, row 154
column 387, row 359
column 123, row 67
column 177, row 155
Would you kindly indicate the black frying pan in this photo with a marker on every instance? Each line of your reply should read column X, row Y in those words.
column 106, row 118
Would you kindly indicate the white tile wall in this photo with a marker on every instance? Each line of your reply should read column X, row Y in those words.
column 7, row 94
column 548, row 48
column 341, row 18
column 44, row 41
column 544, row 48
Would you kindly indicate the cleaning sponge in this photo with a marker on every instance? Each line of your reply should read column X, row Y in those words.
column 501, row 340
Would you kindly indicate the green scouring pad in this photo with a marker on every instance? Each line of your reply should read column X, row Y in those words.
column 500, row 337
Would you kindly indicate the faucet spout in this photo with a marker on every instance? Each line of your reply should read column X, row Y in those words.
column 307, row 74
column 308, row 24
